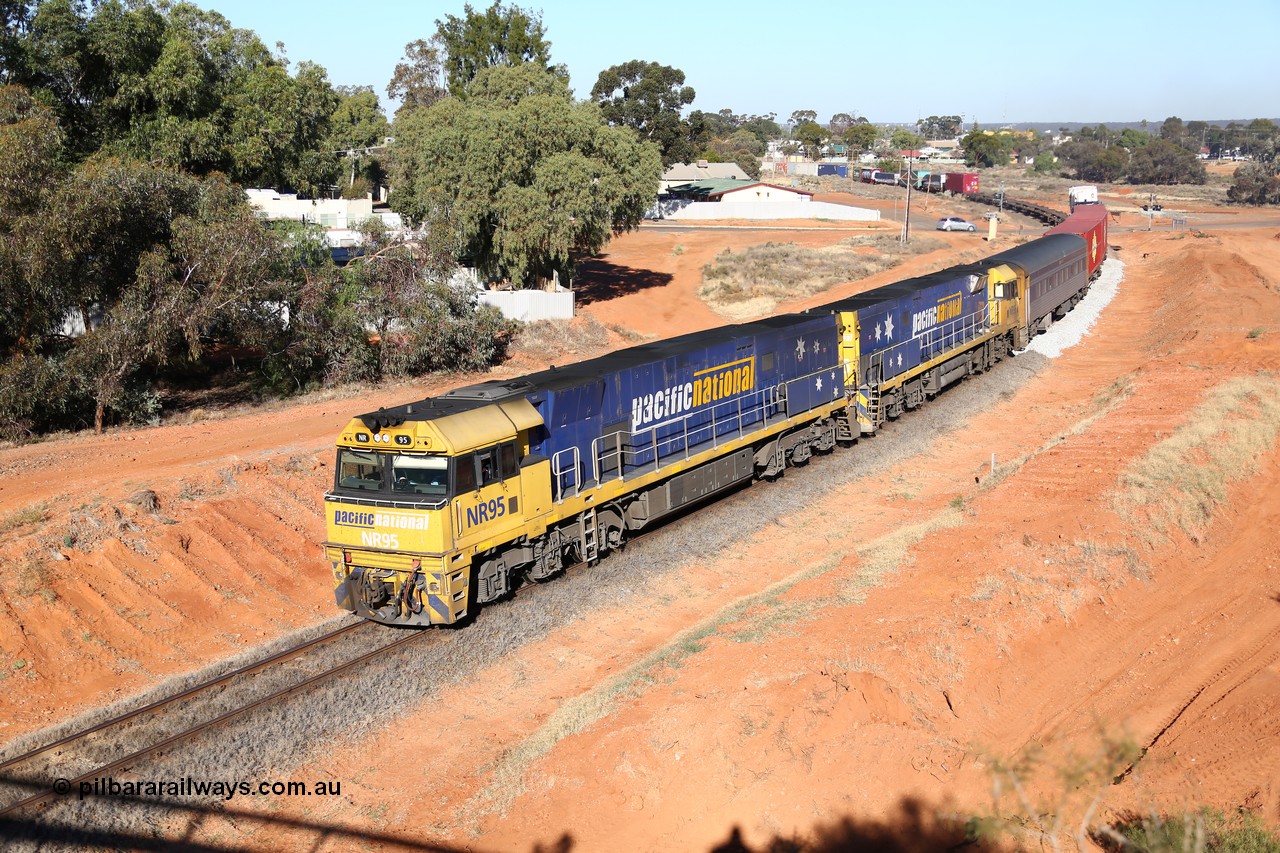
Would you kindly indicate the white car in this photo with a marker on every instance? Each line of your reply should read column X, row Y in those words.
column 955, row 223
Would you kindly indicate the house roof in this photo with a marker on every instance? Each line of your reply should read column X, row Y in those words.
column 702, row 171
column 715, row 189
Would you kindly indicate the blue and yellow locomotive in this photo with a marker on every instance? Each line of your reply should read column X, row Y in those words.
column 447, row 503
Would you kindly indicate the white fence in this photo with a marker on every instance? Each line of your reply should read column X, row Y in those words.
column 765, row 210
column 530, row 305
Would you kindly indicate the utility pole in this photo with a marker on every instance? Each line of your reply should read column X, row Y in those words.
column 906, row 220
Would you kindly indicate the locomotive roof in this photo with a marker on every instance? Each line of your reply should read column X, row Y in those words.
column 892, row 291
column 1081, row 220
column 1034, row 255
column 1038, row 253
column 491, row 391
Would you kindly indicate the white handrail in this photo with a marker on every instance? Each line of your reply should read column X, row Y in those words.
column 557, row 471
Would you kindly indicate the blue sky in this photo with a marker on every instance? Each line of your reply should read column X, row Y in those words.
column 990, row 60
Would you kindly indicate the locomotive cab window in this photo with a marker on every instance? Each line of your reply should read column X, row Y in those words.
column 472, row 471
column 464, row 474
column 420, row 475
column 507, row 467
column 487, row 466
column 359, row 469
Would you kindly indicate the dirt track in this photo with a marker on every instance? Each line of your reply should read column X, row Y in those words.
column 938, row 622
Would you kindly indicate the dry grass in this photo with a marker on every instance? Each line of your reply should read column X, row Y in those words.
column 33, row 514
column 553, row 339
column 756, row 279
column 33, row 580
column 1181, row 481
column 1103, row 561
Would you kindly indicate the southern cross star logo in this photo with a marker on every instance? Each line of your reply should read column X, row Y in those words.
column 877, row 331
column 899, row 359
column 888, row 326
column 819, row 383
column 800, row 349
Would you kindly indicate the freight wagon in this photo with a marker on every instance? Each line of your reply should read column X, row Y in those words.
column 1089, row 221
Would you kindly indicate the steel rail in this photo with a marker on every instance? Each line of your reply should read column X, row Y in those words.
column 159, row 747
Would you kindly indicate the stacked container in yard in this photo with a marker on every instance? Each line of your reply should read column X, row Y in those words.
column 962, row 182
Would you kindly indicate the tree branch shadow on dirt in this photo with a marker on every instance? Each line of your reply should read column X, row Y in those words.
column 135, row 823
column 913, row 828
column 597, row 280
column 145, row 823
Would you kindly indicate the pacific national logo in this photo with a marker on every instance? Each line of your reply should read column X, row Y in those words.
column 948, row 308
column 367, row 520
column 708, row 386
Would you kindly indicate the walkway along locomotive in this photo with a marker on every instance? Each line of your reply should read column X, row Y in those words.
column 446, row 503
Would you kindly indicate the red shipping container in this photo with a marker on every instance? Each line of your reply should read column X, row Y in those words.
column 961, row 182
column 1090, row 222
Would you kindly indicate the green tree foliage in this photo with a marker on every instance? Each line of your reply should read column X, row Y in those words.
column 905, row 140
column 1255, row 183
column 811, row 135
column 118, row 216
column 1090, row 160
column 1172, row 129
column 748, row 163
column 1045, row 163
column 648, row 98
column 1131, row 140
column 416, row 82
column 400, row 291
column 800, row 117
column 740, row 147
column 717, row 125
column 765, row 128
column 531, row 180
column 358, row 124
column 986, row 149
column 940, row 127
column 498, row 36
column 177, row 86
column 739, row 141
column 861, row 136
column 840, row 122
column 30, row 147
column 1261, row 140
column 155, row 264
column 1165, row 162
column 726, row 137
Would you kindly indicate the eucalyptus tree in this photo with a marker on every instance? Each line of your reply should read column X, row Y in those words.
column 530, row 180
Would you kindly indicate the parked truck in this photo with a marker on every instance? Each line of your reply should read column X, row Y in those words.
column 1082, row 195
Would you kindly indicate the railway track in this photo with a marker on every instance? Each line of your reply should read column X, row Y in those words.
column 39, row 776
column 1039, row 212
